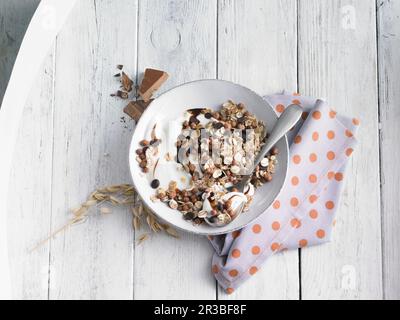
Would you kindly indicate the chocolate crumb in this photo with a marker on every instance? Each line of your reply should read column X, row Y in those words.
column 121, row 94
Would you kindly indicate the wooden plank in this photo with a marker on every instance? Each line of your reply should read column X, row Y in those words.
column 180, row 38
column 337, row 61
column 257, row 48
column 93, row 260
column 389, row 98
column 14, row 19
column 29, row 197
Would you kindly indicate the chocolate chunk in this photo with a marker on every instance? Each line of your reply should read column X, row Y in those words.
column 126, row 82
column 208, row 115
column 134, row 109
column 152, row 81
column 119, row 66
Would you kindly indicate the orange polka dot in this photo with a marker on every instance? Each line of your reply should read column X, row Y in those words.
column 229, row 290
column 275, row 246
column 313, row 214
column 338, row 176
column 349, row 151
column 356, row 122
column 236, row 253
column 304, row 115
column 312, row 178
column 313, row 198
column 233, row 273
column 349, row 133
column 280, row 108
column 332, row 114
column 330, row 155
column 276, row 225
column 329, row 205
column 297, row 139
column 253, row 270
column 295, row 223
column 296, row 101
column 303, row 243
column 277, row 204
column 295, row 181
column 215, row 269
column 315, row 136
column 296, row 159
column 331, row 175
column 330, row 135
column 316, row 115
column 256, row 228
column 313, row 157
column 255, row 250
column 321, row 234
column 294, row 202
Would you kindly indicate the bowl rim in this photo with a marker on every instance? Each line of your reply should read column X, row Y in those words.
column 199, row 232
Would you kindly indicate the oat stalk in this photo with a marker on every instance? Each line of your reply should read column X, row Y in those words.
column 115, row 195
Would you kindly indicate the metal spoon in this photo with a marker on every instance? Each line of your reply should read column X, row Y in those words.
column 286, row 121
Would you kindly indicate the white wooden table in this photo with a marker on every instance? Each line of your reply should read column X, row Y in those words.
column 72, row 141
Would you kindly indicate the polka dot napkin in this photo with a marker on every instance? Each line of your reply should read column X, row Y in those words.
column 304, row 212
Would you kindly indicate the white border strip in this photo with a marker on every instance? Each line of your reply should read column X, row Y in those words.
column 43, row 28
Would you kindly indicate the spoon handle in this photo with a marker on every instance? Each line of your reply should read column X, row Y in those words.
column 286, row 121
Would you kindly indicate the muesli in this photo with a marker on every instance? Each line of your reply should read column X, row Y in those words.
column 215, row 148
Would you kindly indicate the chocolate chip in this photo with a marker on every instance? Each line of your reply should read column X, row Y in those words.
column 189, row 216
column 193, row 119
column 155, row 183
column 274, row 151
column 119, row 66
column 208, row 115
column 217, row 125
column 143, row 164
